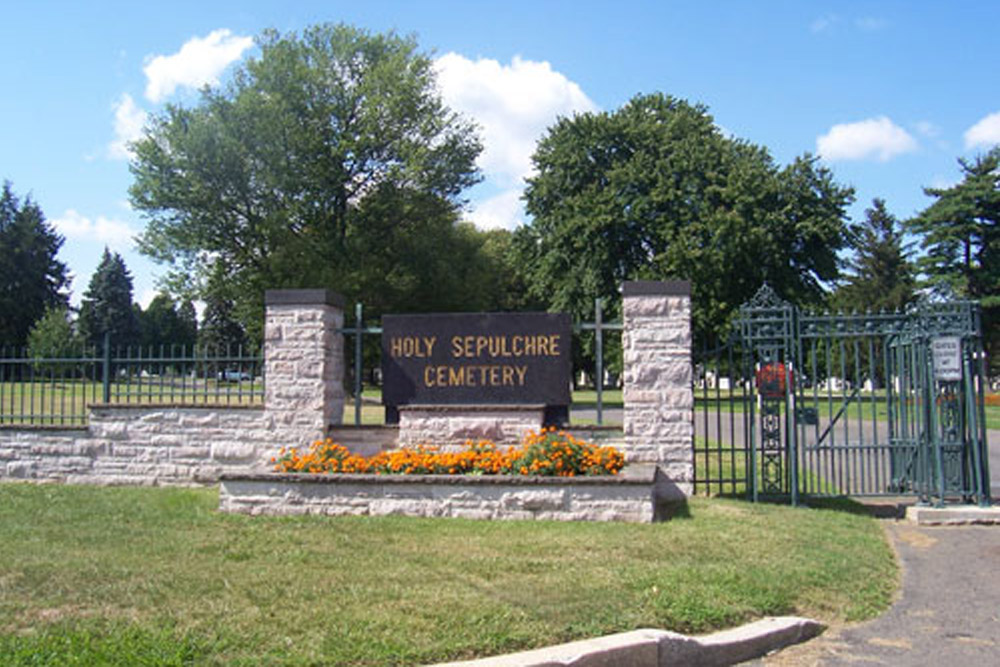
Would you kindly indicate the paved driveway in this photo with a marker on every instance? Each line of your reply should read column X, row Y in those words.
column 948, row 612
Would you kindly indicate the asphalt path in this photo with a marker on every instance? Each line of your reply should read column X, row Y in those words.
column 947, row 613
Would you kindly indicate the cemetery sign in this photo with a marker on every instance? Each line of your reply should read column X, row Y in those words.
column 476, row 359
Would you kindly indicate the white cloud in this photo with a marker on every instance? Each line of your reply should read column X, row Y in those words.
column 824, row 23
column 870, row 23
column 984, row 133
column 513, row 105
column 146, row 297
column 877, row 138
column 828, row 23
column 128, row 124
column 502, row 211
column 928, row 129
column 113, row 233
column 199, row 62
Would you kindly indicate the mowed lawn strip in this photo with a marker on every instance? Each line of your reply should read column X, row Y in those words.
column 158, row 576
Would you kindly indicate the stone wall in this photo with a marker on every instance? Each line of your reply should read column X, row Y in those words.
column 637, row 498
column 304, row 399
column 657, row 392
column 148, row 445
column 185, row 444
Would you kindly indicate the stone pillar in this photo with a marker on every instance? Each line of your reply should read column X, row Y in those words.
column 658, row 396
column 303, row 363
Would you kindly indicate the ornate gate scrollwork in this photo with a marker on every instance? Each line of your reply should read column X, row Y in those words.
column 768, row 326
column 900, row 409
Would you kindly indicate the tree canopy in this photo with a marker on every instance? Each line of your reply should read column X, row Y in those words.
column 32, row 280
column 311, row 168
column 961, row 238
column 166, row 324
column 53, row 337
column 654, row 191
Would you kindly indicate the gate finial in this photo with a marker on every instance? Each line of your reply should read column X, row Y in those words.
column 766, row 297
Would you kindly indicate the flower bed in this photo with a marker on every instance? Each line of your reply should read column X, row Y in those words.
column 552, row 475
column 545, row 453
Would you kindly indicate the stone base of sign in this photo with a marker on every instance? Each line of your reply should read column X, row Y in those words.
column 642, row 496
column 451, row 426
column 365, row 440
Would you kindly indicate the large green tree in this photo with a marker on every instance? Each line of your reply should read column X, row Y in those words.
column 32, row 280
column 880, row 275
column 960, row 236
column 163, row 324
column 106, row 307
column 321, row 158
column 654, row 191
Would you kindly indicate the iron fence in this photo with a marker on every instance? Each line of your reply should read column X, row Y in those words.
column 844, row 404
column 58, row 391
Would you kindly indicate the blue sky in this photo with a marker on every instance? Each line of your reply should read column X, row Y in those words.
column 889, row 94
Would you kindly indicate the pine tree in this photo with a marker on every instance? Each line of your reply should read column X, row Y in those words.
column 880, row 276
column 961, row 233
column 961, row 237
column 32, row 280
column 107, row 304
column 220, row 330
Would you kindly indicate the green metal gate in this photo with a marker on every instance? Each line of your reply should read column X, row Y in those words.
column 858, row 405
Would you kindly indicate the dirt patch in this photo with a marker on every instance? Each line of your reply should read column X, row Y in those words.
column 915, row 538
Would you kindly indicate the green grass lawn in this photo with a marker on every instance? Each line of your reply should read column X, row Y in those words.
column 723, row 472
column 157, row 576
column 66, row 401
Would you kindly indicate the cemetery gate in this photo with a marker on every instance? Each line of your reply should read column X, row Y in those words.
column 799, row 404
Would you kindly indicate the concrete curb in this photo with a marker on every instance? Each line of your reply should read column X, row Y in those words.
column 660, row 648
column 953, row 515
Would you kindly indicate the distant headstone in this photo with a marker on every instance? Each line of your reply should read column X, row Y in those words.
column 476, row 359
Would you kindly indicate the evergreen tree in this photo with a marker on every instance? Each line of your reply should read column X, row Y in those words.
column 961, row 237
column 961, row 233
column 32, row 280
column 880, row 276
column 107, row 304
column 220, row 331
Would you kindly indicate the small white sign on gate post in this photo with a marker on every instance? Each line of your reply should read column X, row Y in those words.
column 947, row 354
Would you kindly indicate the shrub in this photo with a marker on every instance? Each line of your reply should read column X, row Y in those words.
column 548, row 452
